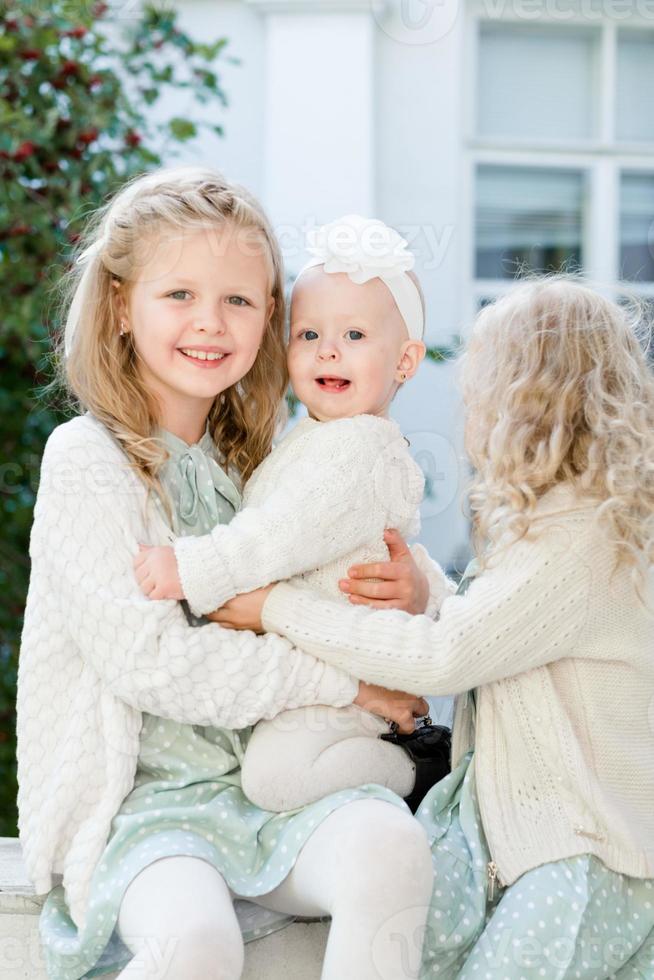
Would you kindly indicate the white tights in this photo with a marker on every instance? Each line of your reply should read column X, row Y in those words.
column 368, row 865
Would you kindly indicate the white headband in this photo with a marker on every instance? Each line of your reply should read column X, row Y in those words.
column 366, row 248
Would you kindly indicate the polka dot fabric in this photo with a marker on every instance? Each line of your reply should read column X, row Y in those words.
column 568, row 920
column 187, row 796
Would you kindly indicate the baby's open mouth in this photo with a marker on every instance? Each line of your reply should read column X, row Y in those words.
column 332, row 383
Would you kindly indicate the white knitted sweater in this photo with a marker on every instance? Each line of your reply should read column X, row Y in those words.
column 95, row 653
column 563, row 661
column 316, row 505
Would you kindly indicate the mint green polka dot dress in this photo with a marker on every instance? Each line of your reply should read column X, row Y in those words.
column 187, row 796
column 572, row 919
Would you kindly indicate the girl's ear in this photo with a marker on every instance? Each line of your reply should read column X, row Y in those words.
column 270, row 309
column 412, row 353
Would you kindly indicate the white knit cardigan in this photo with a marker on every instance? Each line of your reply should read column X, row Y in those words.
column 562, row 657
column 95, row 653
column 316, row 505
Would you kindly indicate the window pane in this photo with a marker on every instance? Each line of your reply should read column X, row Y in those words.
column 520, row 94
column 637, row 227
column 529, row 217
column 635, row 117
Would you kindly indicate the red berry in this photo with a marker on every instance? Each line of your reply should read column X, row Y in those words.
column 69, row 68
column 50, row 166
column 31, row 54
column 95, row 80
column 19, row 230
column 25, row 150
column 132, row 138
column 76, row 32
column 11, row 24
column 99, row 9
column 87, row 136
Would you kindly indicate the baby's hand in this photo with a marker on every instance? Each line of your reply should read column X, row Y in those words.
column 156, row 572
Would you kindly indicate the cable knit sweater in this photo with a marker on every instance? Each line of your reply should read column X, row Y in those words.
column 95, row 653
column 562, row 657
column 316, row 505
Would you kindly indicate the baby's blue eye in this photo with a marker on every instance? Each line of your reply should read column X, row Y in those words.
column 179, row 292
column 309, row 335
column 240, row 301
column 358, row 333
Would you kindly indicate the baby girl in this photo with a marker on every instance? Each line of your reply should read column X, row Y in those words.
column 321, row 500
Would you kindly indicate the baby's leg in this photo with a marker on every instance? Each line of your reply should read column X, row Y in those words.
column 304, row 754
column 177, row 917
column 368, row 865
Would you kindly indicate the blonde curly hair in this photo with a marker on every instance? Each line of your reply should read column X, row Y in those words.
column 97, row 367
column 557, row 388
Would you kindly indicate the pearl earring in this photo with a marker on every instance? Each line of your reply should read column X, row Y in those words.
column 122, row 328
column 403, row 376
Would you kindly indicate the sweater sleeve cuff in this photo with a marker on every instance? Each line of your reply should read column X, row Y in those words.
column 203, row 577
column 440, row 586
column 337, row 688
column 278, row 608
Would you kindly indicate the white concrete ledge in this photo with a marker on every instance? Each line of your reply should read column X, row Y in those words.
column 294, row 953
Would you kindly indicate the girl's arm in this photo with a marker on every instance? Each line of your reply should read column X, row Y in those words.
column 84, row 534
column 334, row 497
column 524, row 612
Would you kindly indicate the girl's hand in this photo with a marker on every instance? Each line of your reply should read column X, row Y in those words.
column 402, row 585
column 156, row 572
column 244, row 611
column 396, row 706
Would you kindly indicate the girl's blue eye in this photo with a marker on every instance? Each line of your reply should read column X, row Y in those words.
column 241, row 301
column 358, row 333
column 306, row 336
column 178, row 292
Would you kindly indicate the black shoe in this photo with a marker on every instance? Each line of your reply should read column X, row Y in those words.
column 429, row 747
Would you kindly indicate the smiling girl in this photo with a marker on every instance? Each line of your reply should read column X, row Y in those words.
column 132, row 724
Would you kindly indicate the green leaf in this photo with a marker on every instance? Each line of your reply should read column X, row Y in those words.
column 182, row 129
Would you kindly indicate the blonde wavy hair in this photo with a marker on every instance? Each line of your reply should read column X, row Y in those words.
column 99, row 372
column 557, row 387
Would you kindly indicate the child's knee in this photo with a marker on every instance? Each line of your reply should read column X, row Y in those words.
column 390, row 848
column 177, row 917
column 199, row 950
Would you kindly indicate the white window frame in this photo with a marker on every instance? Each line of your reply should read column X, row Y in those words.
column 601, row 159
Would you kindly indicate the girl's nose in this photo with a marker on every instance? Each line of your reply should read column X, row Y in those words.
column 212, row 322
column 327, row 353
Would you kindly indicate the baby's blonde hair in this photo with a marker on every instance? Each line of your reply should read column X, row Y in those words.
column 100, row 372
column 557, row 388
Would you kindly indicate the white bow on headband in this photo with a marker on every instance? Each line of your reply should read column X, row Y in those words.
column 366, row 248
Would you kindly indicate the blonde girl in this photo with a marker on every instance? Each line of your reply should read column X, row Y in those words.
column 543, row 834
column 131, row 722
